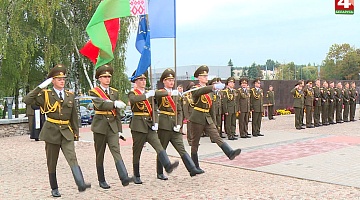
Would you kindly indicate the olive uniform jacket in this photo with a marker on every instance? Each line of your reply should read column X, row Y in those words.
column 298, row 98
column 317, row 94
column 325, row 92
column 142, row 117
column 309, row 95
column 270, row 97
column 188, row 105
column 339, row 96
column 51, row 104
column 346, row 97
column 243, row 100
column 256, row 100
column 353, row 95
column 202, row 106
column 229, row 101
column 108, row 115
column 166, row 110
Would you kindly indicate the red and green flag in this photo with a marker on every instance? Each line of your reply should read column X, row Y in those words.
column 103, row 30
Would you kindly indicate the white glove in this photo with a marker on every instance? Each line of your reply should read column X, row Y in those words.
column 121, row 136
column 119, row 104
column 45, row 83
column 155, row 127
column 219, row 86
column 150, row 93
column 176, row 128
column 175, row 93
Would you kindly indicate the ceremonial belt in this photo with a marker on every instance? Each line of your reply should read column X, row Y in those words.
column 102, row 94
column 99, row 112
column 166, row 113
column 58, row 121
column 201, row 109
column 146, row 102
column 141, row 114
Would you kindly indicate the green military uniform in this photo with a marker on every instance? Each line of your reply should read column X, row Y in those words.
column 244, row 109
column 339, row 104
column 217, row 107
column 309, row 104
column 60, row 129
column 353, row 97
column 298, row 96
column 105, row 127
column 325, row 105
column 202, row 120
column 317, row 105
column 270, row 100
column 332, row 104
column 229, row 108
column 188, row 108
column 170, row 118
column 346, row 103
column 256, row 106
column 143, row 130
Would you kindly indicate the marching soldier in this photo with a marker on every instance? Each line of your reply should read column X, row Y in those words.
column 170, row 121
column 332, row 103
column 298, row 95
column 61, row 128
column 302, row 82
column 270, row 98
column 229, row 108
column 106, row 125
column 201, row 119
column 325, row 104
column 317, row 103
column 346, row 102
column 180, row 89
column 143, row 126
column 243, row 108
column 339, row 93
column 217, row 106
column 256, row 106
column 353, row 97
column 309, row 103
column 188, row 107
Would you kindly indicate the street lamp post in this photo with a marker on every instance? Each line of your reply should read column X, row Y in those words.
column 9, row 102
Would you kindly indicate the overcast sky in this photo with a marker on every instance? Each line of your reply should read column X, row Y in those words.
column 212, row 32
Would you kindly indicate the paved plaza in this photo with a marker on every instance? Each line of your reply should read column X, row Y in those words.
column 316, row 163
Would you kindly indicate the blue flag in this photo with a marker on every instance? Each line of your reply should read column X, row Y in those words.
column 142, row 44
column 162, row 18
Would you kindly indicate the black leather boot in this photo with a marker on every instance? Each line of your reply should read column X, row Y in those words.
column 54, row 186
column 79, row 179
column 137, row 179
column 194, row 157
column 165, row 161
column 160, row 171
column 101, row 177
column 230, row 153
column 190, row 165
column 122, row 172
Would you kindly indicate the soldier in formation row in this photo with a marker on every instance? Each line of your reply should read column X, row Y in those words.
column 324, row 104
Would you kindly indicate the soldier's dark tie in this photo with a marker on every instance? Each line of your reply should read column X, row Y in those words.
column 60, row 96
column 106, row 92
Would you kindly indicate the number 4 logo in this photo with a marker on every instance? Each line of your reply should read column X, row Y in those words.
column 344, row 6
column 345, row 3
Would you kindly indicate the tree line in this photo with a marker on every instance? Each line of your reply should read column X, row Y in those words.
column 342, row 62
column 36, row 35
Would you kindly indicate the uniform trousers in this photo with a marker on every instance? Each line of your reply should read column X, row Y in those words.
column 243, row 123
column 209, row 129
column 256, row 122
column 52, row 153
column 100, row 141
column 139, row 140
column 175, row 138
column 309, row 115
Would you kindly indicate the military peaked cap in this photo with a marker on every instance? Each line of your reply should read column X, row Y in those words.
column 58, row 71
column 105, row 70
column 201, row 71
column 230, row 79
column 167, row 74
column 144, row 75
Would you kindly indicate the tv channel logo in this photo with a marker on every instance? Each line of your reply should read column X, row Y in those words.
column 344, row 7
